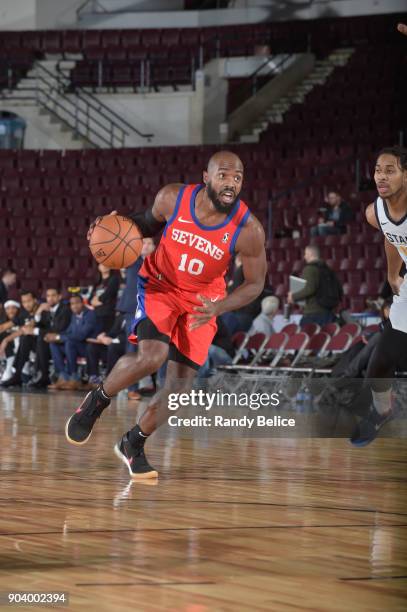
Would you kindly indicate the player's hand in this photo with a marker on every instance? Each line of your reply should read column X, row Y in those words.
column 92, row 225
column 395, row 284
column 402, row 28
column 290, row 298
column 207, row 311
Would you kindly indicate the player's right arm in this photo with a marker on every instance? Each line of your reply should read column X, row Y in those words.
column 394, row 260
column 153, row 220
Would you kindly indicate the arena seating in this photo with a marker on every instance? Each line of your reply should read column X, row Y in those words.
column 48, row 198
column 113, row 57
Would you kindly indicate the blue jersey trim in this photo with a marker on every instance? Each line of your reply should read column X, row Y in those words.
column 237, row 232
column 140, row 313
column 210, row 227
column 176, row 209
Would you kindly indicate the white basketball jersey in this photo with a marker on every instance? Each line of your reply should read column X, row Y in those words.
column 394, row 232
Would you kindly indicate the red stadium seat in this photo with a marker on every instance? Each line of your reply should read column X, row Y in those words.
column 311, row 329
column 330, row 328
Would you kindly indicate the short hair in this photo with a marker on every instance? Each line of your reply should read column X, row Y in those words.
column 8, row 271
column 52, row 289
column 314, row 248
column 399, row 152
column 27, row 292
column 76, row 295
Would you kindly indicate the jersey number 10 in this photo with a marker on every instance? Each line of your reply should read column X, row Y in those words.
column 195, row 266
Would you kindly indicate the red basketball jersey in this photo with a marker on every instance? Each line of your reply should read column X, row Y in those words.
column 192, row 256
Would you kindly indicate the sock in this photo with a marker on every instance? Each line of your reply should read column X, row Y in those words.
column 102, row 393
column 382, row 400
column 137, row 437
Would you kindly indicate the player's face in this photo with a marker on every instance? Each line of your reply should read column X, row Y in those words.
column 76, row 305
column 28, row 302
column 224, row 183
column 53, row 297
column 389, row 176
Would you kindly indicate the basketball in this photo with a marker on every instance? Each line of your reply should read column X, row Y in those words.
column 115, row 241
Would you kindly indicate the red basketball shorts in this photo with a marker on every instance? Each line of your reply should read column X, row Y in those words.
column 171, row 310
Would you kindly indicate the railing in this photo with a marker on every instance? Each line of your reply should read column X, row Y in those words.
column 115, row 121
column 90, row 118
column 266, row 71
column 145, row 84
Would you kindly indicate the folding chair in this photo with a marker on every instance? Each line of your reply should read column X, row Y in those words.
column 330, row 328
column 311, row 329
column 353, row 329
column 290, row 329
column 253, row 348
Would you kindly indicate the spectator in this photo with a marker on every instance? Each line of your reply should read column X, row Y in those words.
column 322, row 292
column 53, row 316
column 103, row 297
column 240, row 320
column 128, row 305
column 26, row 343
column 109, row 347
column 7, row 280
column 221, row 351
column 263, row 322
column 71, row 344
column 9, row 323
column 334, row 218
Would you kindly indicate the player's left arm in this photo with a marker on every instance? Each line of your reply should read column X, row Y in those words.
column 250, row 246
column 394, row 262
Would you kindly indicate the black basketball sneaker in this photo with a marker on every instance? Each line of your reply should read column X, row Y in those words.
column 369, row 427
column 134, row 459
column 79, row 426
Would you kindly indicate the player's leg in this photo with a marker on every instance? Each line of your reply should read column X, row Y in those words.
column 382, row 366
column 151, row 354
column 179, row 379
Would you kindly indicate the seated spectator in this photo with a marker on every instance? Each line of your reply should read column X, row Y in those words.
column 322, row 292
column 71, row 344
column 334, row 217
column 221, row 351
column 103, row 297
column 108, row 347
column 263, row 322
column 8, row 279
column 53, row 316
column 241, row 319
column 10, row 321
column 26, row 342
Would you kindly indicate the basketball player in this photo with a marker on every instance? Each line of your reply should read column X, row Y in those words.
column 181, row 291
column 388, row 214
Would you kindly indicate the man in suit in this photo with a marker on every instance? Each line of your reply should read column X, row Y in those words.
column 52, row 317
column 71, row 344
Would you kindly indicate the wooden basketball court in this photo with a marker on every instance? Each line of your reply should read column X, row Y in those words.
column 266, row 524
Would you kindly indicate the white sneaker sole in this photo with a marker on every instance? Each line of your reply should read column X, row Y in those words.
column 146, row 475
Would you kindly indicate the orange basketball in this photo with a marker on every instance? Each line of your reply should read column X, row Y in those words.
column 116, row 241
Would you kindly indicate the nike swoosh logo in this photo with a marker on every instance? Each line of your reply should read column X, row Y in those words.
column 181, row 220
column 214, row 299
column 385, row 223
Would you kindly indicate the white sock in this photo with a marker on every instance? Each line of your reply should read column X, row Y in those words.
column 382, row 400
